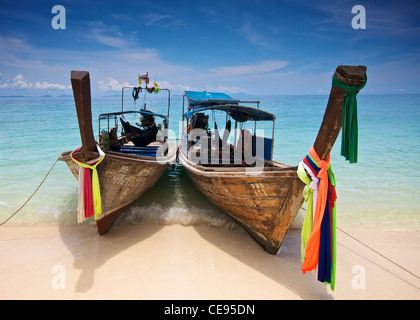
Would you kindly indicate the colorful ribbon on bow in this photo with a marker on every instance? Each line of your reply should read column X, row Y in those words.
column 309, row 192
column 89, row 192
column 349, row 135
column 319, row 229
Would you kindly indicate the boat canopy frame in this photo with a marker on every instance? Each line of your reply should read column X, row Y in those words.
column 114, row 115
column 144, row 88
column 199, row 101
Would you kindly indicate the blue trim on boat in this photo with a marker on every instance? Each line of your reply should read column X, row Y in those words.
column 139, row 151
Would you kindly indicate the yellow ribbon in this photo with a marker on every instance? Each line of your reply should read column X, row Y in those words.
column 308, row 195
column 96, row 190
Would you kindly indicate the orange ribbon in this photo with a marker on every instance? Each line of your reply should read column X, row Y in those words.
column 312, row 247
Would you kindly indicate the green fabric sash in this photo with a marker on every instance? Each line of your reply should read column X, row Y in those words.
column 308, row 195
column 349, row 138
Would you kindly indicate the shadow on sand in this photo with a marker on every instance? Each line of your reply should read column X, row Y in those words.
column 91, row 251
column 283, row 268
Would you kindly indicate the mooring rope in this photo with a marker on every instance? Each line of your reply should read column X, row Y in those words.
column 12, row 215
column 375, row 251
column 378, row 253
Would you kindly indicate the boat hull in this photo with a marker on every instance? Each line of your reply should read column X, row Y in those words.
column 123, row 179
column 264, row 202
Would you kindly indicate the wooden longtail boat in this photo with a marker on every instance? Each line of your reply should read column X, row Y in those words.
column 264, row 198
column 128, row 169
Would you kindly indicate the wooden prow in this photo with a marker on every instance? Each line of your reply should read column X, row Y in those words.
column 80, row 83
column 331, row 124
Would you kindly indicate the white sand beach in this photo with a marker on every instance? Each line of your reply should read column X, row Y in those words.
column 195, row 262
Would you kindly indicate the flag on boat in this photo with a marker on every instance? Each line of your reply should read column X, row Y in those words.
column 144, row 77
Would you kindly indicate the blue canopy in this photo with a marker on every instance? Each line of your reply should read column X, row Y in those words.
column 237, row 112
column 204, row 95
column 204, row 98
column 200, row 101
column 111, row 114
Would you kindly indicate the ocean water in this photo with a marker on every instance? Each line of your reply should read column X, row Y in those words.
column 380, row 192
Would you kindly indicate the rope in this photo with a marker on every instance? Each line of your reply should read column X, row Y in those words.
column 135, row 93
column 373, row 250
column 4, row 222
column 380, row 254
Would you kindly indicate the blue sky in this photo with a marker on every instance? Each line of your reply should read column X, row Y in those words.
column 244, row 46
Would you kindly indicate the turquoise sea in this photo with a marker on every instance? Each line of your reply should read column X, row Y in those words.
column 380, row 192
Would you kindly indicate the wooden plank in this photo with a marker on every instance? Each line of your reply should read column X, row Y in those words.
column 331, row 124
column 80, row 83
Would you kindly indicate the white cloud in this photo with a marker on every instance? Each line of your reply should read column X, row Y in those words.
column 46, row 85
column 164, row 21
column 142, row 55
column 153, row 18
column 19, row 82
column 115, row 42
column 174, row 87
column 262, row 67
column 8, row 44
column 110, row 84
column 256, row 37
column 109, row 35
column 121, row 16
column 225, row 89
